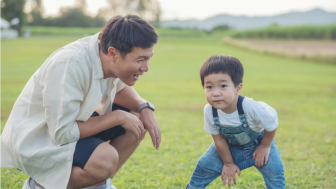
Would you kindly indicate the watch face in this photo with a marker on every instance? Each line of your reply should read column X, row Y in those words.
column 151, row 106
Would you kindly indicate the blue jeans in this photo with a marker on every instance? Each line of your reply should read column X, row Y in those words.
column 210, row 165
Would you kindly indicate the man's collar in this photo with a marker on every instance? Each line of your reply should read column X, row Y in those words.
column 94, row 53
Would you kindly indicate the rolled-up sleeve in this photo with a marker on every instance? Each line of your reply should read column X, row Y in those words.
column 62, row 96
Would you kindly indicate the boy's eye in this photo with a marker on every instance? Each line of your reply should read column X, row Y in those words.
column 223, row 86
column 209, row 87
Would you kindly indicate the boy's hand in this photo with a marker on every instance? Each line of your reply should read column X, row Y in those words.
column 228, row 172
column 260, row 155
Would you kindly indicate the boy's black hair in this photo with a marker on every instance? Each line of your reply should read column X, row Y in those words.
column 125, row 33
column 223, row 64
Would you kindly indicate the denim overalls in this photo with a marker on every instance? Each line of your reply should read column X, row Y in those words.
column 242, row 141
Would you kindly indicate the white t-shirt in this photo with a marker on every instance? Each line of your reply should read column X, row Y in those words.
column 259, row 116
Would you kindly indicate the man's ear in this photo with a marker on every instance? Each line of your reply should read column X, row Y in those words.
column 112, row 53
column 239, row 88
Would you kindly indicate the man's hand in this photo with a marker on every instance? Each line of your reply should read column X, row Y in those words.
column 260, row 155
column 149, row 121
column 133, row 124
column 229, row 172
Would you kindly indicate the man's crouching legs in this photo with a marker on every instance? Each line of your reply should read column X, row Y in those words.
column 100, row 166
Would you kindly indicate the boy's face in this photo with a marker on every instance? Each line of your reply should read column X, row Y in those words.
column 221, row 92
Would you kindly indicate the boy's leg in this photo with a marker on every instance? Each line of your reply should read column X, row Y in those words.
column 208, row 168
column 273, row 172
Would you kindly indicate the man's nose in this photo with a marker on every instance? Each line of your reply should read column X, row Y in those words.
column 145, row 66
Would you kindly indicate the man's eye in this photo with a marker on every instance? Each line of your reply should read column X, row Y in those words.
column 209, row 87
column 223, row 86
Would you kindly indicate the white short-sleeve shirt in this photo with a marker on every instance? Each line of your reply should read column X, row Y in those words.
column 259, row 116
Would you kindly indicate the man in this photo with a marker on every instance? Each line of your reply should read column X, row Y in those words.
column 50, row 133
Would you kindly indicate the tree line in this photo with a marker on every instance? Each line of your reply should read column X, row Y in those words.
column 77, row 15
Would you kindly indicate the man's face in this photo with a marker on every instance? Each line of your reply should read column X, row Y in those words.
column 221, row 92
column 133, row 65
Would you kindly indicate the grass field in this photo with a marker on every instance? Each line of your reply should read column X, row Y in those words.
column 303, row 93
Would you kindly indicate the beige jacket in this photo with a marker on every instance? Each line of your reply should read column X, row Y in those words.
column 41, row 132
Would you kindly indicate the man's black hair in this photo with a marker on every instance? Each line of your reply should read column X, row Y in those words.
column 125, row 33
column 223, row 64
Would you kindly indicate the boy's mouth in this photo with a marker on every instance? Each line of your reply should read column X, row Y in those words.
column 136, row 77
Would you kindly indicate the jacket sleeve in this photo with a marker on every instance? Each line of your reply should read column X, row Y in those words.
column 62, row 96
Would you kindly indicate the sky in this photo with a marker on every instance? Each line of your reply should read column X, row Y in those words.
column 202, row 9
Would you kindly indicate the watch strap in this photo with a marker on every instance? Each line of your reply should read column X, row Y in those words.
column 146, row 105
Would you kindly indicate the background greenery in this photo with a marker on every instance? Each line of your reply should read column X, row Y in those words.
column 303, row 93
column 326, row 32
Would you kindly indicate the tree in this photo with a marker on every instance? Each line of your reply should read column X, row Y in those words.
column 73, row 16
column 37, row 12
column 149, row 10
column 11, row 9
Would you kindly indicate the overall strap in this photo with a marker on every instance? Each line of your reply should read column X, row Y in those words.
column 215, row 116
column 214, row 112
column 240, row 105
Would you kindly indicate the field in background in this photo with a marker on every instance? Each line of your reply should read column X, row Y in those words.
column 303, row 93
column 326, row 32
column 312, row 50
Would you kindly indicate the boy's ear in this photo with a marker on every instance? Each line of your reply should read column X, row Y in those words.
column 239, row 88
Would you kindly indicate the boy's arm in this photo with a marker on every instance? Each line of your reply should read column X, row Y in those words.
column 230, row 168
column 223, row 149
column 267, row 139
column 261, row 154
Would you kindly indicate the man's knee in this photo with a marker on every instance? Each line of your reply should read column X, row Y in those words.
column 131, row 137
column 103, row 162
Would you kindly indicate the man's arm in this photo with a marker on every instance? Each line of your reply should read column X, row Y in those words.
column 97, row 124
column 130, row 99
column 229, row 168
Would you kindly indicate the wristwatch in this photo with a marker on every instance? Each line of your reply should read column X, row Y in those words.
column 146, row 105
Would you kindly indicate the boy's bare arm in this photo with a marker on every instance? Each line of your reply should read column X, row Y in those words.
column 261, row 154
column 222, row 148
column 267, row 139
column 230, row 168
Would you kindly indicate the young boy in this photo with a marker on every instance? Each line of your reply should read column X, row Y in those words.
column 242, row 129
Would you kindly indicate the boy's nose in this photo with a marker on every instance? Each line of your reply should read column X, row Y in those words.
column 216, row 93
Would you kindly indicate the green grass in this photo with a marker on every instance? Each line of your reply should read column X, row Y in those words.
column 303, row 93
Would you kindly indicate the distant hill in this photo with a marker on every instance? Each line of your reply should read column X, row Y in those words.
column 313, row 17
